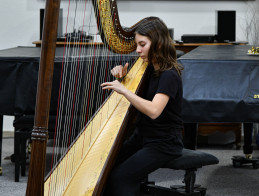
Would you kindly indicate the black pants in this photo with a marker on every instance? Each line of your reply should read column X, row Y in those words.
column 135, row 161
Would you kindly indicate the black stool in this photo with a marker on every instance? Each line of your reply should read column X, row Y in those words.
column 190, row 161
column 23, row 126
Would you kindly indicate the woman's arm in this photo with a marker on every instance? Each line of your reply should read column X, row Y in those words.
column 152, row 109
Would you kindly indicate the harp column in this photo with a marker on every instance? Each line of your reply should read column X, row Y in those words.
column 40, row 132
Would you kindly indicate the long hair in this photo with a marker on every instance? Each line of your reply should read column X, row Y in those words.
column 162, row 51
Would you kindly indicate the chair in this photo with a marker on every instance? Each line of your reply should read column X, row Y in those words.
column 190, row 161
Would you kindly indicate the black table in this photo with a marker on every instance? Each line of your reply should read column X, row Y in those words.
column 221, row 84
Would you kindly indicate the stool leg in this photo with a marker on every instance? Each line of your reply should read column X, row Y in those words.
column 189, row 180
column 23, row 155
column 17, row 155
column 1, row 139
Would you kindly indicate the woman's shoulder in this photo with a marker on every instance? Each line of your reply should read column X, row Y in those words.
column 170, row 73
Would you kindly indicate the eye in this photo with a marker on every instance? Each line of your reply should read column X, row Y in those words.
column 142, row 45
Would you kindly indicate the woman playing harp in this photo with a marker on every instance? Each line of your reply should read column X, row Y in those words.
column 158, row 136
column 83, row 168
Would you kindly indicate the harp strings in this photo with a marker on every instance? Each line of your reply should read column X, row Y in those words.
column 72, row 66
column 86, row 64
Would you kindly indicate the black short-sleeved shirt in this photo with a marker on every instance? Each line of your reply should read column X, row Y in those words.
column 166, row 130
column 169, row 82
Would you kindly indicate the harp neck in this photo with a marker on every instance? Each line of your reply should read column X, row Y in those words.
column 119, row 39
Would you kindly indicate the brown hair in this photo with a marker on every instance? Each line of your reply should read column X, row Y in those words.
column 162, row 51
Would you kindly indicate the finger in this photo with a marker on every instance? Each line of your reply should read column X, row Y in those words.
column 107, row 87
column 106, row 84
column 114, row 71
column 115, row 82
column 120, row 72
column 125, row 67
column 117, row 71
column 117, row 68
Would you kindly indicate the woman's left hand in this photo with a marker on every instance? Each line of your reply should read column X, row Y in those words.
column 114, row 85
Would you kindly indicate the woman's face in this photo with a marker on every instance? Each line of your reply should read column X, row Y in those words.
column 143, row 46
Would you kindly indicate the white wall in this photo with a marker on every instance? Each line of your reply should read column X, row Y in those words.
column 19, row 19
column 187, row 17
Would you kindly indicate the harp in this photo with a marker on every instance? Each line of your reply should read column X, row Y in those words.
column 91, row 162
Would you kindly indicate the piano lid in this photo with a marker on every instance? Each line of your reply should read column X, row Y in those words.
column 221, row 52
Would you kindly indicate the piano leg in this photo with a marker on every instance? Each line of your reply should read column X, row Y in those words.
column 248, row 135
column 190, row 135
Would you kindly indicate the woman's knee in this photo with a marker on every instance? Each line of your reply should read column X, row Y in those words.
column 116, row 177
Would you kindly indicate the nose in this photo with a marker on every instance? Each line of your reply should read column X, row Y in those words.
column 138, row 50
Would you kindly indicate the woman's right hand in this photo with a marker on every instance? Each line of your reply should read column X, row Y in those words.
column 119, row 71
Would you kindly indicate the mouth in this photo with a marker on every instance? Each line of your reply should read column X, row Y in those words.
column 144, row 58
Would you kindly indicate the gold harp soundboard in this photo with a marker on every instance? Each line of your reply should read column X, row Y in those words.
column 90, row 168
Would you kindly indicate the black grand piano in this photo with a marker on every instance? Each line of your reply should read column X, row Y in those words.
column 221, row 84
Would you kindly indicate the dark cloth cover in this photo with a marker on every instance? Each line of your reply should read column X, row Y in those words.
column 19, row 76
column 220, row 84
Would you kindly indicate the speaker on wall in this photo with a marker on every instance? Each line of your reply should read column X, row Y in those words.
column 171, row 33
column 226, row 26
column 60, row 23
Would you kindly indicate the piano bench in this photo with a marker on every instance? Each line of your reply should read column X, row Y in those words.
column 23, row 126
column 190, row 161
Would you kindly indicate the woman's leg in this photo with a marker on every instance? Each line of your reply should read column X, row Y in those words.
column 125, row 179
column 129, row 147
